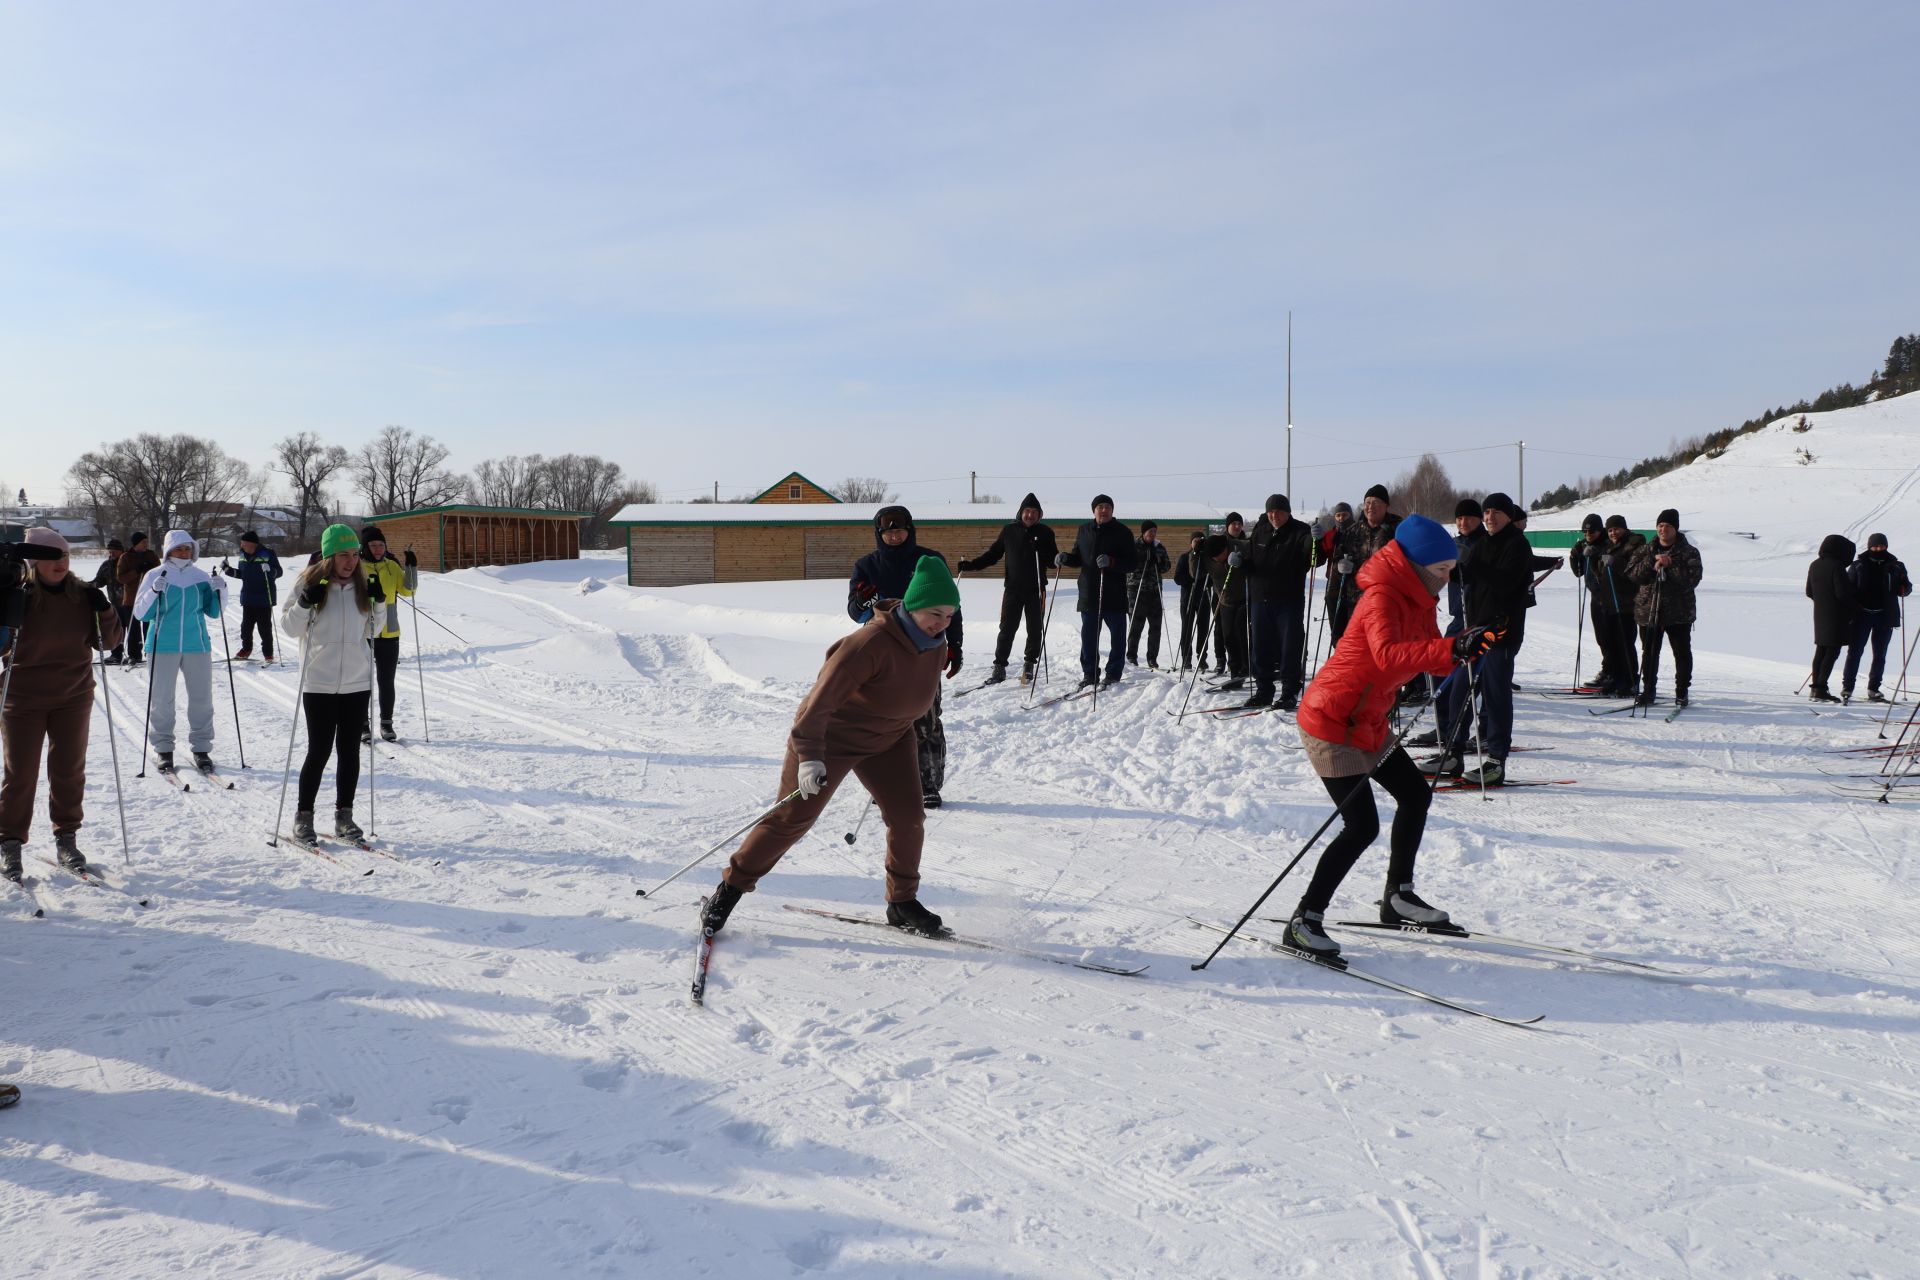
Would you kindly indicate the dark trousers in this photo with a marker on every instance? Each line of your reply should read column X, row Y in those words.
column 61, row 732
column 1875, row 628
column 1013, row 608
column 888, row 777
column 1279, row 645
column 1361, row 826
column 135, row 631
column 386, row 660
column 1824, row 656
column 258, row 617
column 1340, row 603
column 1230, row 640
column 1680, row 636
column 1194, row 616
column 1146, row 616
column 1090, row 624
column 930, row 743
column 1601, row 622
column 1493, row 682
column 333, row 729
column 1622, row 662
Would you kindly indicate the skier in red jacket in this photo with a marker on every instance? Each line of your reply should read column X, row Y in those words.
column 1391, row 638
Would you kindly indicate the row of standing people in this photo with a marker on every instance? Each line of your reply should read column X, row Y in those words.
column 1856, row 607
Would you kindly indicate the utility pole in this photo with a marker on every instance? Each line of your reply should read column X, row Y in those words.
column 973, row 486
column 1520, row 494
column 1289, row 407
column 716, row 491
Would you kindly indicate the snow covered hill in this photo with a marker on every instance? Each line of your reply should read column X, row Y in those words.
column 481, row 1061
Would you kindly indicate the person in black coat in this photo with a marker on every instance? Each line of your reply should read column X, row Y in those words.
column 1103, row 553
column 1833, row 610
column 1879, row 584
column 1228, row 582
column 883, row 574
column 1150, row 563
column 258, row 572
column 1593, row 544
column 1276, row 562
column 1029, row 548
column 1497, row 582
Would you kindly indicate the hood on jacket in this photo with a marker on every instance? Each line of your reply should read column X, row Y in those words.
column 894, row 512
column 1833, row 546
column 179, row 538
column 1390, row 570
column 1031, row 501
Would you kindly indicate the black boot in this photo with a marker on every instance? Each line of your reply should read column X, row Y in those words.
column 67, row 848
column 1026, row 672
column 203, row 762
column 10, row 861
column 1258, row 699
column 1306, row 934
column 386, row 731
column 998, row 674
column 1401, row 905
column 345, row 827
column 164, row 761
column 303, row 826
column 717, row 906
column 914, row 918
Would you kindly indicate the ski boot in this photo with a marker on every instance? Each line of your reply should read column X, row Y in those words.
column 717, row 907
column 1821, row 695
column 1087, row 682
column 1679, row 697
column 303, row 827
column 1113, row 678
column 1431, row 738
column 929, row 799
column 10, row 861
column 1491, row 773
column 1306, row 934
column 203, row 762
column 163, row 760
column 1234, row 685
column 1446, row 762
column 1288, row 702
column 1258, row 700
column 1874, row 695
column 914, row 918
column 1026, row 672
column 1646, row 699
column 386, row 732
column 245, row 652
column 1401, row 905
column 346, row 828
column 997, row 675
column 366, row 734
column 67, row 851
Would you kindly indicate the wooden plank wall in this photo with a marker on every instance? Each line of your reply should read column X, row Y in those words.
column 832, row 549
column 423, row 532
column 809, row 492
column 759, row 553
column 669, row 557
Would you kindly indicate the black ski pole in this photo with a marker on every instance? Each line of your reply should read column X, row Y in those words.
column 1045, row 628
column 238, row 741
column 419, row 666
column 1219, row 604
column 1579, row 627
column 293, row 730
column 1099, row 621
column 1906, row 658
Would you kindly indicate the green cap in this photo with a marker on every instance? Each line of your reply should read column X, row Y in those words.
column 932, row 585
column 338, row 537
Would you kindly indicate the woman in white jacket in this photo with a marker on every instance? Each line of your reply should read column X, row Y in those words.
column 334, row 613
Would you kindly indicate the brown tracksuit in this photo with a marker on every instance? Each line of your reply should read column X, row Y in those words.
column 51, row 702
column 858, row 719
column 130, row 569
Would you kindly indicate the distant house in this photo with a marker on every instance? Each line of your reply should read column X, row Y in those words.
column 678, row 544
column 794, row 487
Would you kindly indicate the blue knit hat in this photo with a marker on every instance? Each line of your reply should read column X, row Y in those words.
column 1424, row 541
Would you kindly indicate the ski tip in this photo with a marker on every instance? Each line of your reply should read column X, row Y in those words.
column 639, row 893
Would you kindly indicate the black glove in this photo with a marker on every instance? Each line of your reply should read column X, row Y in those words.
column 413, row 561
column 1473, row 642
column 376, row 592
column 97, row 600
column 1059, row 559
column 313, row 593
column 966, row 566
column 953, row 662
column 1105, row 562
column 227, row 568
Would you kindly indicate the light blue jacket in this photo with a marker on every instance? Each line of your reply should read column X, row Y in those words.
column 175, row 601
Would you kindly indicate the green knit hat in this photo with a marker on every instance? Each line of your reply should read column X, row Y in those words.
column 932, row 585
column 338, row 537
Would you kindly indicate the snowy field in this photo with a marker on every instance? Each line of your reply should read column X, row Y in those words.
column 481, row 1061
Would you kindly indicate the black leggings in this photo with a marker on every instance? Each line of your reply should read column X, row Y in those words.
column 386, row 658
column 1404, row 782
column 334, row 721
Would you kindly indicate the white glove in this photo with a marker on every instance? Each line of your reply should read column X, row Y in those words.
column 1105, row 562
column 1233, row 560
column 812, row 777
column 1345, row 565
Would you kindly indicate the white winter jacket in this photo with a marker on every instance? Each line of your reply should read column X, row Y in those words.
column 334, row 653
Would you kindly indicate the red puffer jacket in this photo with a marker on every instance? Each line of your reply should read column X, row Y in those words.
column 1391, row 639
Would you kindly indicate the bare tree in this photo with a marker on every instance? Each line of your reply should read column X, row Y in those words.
column 864, row 489
column 987, row 498
column 309, row 467
column 590, row 484
column 512, row 481
column 400, row 471
column 157, row 480
column 1427, row 490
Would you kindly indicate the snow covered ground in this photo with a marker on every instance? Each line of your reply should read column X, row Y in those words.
column 482, row 1061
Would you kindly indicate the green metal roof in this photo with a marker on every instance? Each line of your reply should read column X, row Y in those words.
column 793, row 475
column 490, row 511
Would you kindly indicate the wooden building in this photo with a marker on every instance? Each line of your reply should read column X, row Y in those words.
column 679, row 544
column 461, row 537
column 793, row 487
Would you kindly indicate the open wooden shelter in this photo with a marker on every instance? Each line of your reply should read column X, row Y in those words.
column 461, row 537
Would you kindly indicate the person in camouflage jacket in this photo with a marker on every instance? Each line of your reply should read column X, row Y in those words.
column 1667, row 570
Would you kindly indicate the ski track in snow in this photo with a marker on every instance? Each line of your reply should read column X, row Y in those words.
column 482, row 1061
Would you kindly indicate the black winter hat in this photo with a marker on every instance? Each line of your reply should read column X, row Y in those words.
column 1380, row 491
column 894, row 514
column 1234, row 517
column 1467, row 507
column 1877, row 540
column 1593, row 521
column 1278, row 502
column 1669, row 516
column 1616, row 522
column 1341, row 508
column 1503, row 504
column 371, row 534
column 1099, row 498
column 250, row 536
column 113, row 544
column 135, row 538
column 1031, row 501
column 1149, row 524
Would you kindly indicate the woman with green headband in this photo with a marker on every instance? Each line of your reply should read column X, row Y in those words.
column 858, row 719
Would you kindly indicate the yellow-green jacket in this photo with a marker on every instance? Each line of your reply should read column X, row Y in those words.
column 396, row 580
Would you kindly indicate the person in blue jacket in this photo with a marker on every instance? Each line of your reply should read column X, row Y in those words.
column 259, row 570
column 884, row 574
column 174, row 602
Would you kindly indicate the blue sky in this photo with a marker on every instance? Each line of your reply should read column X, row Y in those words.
column 717, row 242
